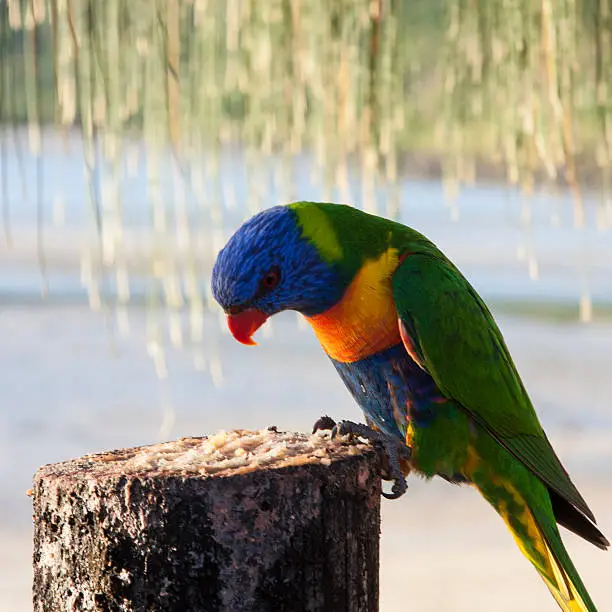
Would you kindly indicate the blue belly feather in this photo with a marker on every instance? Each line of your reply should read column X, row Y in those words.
column 392, row 390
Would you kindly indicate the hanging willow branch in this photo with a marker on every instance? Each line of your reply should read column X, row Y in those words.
column 512, row 89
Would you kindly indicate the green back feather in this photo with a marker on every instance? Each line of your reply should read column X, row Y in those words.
column 463, row 350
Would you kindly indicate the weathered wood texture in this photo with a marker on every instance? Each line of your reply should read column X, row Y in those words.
column 240, row 521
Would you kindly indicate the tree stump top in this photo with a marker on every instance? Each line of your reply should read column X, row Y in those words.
column 224, row 454
column 241, row 521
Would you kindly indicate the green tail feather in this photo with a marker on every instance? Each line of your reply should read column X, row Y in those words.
column 531, row 521
column 566, row 586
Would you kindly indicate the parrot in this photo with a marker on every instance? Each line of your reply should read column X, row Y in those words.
column 422, row 356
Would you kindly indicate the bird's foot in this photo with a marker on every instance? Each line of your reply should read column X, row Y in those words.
column 392, row 448
column 323, row 423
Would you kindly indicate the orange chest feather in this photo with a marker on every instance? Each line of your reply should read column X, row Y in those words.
column 364, row 321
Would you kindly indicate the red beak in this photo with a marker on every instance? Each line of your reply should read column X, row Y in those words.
column 244, row 324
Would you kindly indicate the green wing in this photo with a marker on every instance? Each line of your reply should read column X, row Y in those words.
column 458, row 342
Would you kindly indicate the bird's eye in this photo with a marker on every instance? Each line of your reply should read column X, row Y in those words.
column 270, row 280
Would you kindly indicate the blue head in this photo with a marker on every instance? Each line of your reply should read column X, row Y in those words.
column 268, row 266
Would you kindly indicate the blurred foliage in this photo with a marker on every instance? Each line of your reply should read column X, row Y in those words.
column 500, row 87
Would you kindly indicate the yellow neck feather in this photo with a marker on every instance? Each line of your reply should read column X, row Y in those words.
column 364, row 321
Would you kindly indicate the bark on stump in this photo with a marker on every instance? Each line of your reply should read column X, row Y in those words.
column 238, row 521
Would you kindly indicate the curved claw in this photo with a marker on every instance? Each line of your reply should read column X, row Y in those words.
column 344, row 428
column 398, row 489
column 391, row 446
column 324, row 423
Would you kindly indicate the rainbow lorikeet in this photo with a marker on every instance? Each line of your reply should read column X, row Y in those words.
column 423, row 357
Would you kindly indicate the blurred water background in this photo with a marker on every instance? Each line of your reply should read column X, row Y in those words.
column 137, row 135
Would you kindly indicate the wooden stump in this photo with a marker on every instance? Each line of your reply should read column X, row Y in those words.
column 245, row 520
